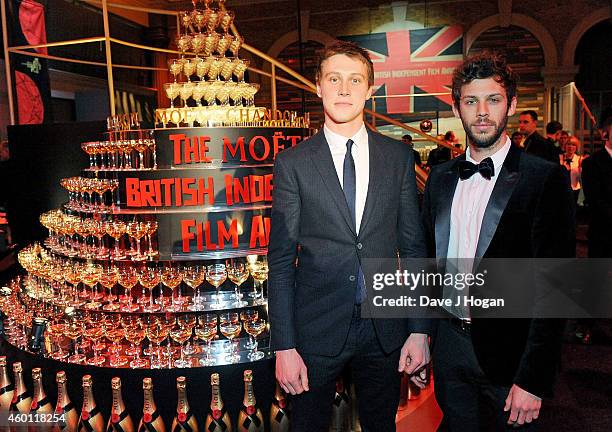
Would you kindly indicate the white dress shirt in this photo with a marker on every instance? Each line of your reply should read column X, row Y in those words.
column 467, row 212
column 574, row 166
column 361, row 156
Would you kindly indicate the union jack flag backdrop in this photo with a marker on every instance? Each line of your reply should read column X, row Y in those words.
column 413, row 61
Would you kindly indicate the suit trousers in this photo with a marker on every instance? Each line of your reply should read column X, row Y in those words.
column 374, row 373
column 468, row 399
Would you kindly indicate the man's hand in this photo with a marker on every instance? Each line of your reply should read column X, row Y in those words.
column 414, row 355
column 523, row 406
column 291, row 371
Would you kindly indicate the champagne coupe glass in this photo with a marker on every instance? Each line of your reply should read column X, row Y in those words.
column 172, row 91
column 135, row 335
column 150, row 229
column 88, row 148
column 223, row 92
column 149, row 279
column 252, row 90
column 227, row 18
column 254, row 328
column 136, row 230
column 198, row 43
column 210, row 44
column 216, row 275
column 73, row 277
column 236, row 45
column 176, row 68
column 194, row 276
column 188, row 68
column 214, row 69
column 224, row 43
column 73, row 331
column 116, row 229
column 185, row 91
column 198, row 92
column 247, row 315
column 184, row 43
column 141, row 147
column 235, row 93
column 115, row 333
column 188, row 321
column 57, row 331
column 186, row 20
column 180, row 335
column 113, row 185
column 108, row 279
column 259, row 271
column 94, row 331
column 206, row 331
column 213, row 20
column 90, row 277
column 199, row 18
column 128, row 278
column 97, row 229
column 210, row 93
column 238, row 274
column 157, row 332
column 230, row 327
column 172, row 277
column 202, row 68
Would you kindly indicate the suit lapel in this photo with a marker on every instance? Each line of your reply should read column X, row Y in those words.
column 324, row 164
column 377, row 169
column 448, row 184
column 508, row 178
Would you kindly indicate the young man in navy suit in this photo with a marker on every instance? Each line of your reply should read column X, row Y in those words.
column 344, row 195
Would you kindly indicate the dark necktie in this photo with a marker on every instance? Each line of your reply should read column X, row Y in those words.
column 349, row 185
column 467, row 169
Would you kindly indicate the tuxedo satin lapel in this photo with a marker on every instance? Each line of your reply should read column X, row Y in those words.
column 508, row 178
column 377, row 169
column 324, row 164
column 445, row 194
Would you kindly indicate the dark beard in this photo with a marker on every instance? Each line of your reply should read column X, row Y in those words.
column 485, row 142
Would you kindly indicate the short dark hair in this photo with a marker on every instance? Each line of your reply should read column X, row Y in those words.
column 407, row 137
column 564, row 132
column 553, row 127
column 349, row 49
column 530, row 113
column 448, row 135
column 481, row 66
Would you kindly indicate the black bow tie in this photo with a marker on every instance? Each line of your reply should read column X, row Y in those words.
column 467, row 169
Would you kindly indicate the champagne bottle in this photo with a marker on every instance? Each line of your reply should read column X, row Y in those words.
column 341, row 409
column 218, row 419
column 6, row 387
column 64, row 406
column 40, row 401
column 184, row 421
column 151, row 420
column 250, row 418
column 91, row 419
column 279, row 414
column 21, row 401
column 120, row 420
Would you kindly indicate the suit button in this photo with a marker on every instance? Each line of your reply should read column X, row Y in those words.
column 352, row 278
column 359, row 246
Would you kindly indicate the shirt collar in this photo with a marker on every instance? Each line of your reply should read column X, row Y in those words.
column 336, row 141
column 609, row 150
column 498, row 157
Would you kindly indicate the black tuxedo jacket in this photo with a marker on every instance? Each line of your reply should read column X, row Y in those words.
column 597, row 184
column 528, row 215
column 311, row 302
column 537, row 145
